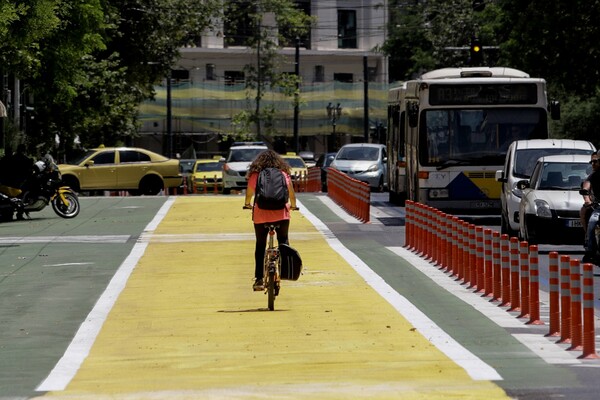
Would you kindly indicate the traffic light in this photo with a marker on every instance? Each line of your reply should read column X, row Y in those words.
column 478, row 5
column 476, row 53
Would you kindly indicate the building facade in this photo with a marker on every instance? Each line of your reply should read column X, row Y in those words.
column 339, row 64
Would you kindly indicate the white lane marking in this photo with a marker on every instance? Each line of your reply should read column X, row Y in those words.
column 68, row 264
column 215, row 237
column 339, row 211
column 79, row 348
column 66, row 239
column 474, row 366
column 552, row 353
column 547, row 350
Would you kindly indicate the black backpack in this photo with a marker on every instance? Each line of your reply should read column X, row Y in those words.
column 271, row 190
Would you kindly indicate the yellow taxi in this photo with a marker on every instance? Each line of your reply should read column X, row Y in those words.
column 297, row 165
column 139, row 171
column 207, row 174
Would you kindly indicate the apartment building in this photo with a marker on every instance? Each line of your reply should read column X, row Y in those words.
column 339, row 64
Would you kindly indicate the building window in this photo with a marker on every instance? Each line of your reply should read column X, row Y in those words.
column 210, row 72
column 233, row 77
column 347, row 29
column 238, row 25
column 288, row 37
column 343, row 77
column 180, row 74
column 319, row 73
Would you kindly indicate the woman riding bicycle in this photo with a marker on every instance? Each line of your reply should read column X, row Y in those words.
column 262, row 217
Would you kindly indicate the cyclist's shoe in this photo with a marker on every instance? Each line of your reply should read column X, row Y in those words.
column 259, row 285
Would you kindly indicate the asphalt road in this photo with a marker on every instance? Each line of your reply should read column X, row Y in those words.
column 150, row 298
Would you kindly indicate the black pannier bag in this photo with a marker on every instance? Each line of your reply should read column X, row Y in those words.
column 291, row 263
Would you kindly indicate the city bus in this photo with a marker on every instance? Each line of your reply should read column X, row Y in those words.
column 449, row 130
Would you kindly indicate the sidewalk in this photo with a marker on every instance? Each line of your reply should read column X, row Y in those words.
column 188, row 326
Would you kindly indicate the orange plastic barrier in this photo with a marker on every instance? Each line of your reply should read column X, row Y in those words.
column 505, row 266
column 589, row 334
column 313, row 180
column 508, row 270
column 534, row 287
column 554, row 281
column 565, row 300
column 576, row 328
column 352, row 195
column 524, row 264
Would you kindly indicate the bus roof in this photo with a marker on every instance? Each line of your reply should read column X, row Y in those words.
column 474, row 72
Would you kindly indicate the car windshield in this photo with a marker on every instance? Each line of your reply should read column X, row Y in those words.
column 562, row 176
column 83, row 157
column 477, row 136
column 358, row 153
column 525, row 159
column 243, row 155
column 208, row 166
column 295, row 162
column 186, row 166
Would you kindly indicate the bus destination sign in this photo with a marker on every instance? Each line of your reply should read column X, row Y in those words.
column 482, row 94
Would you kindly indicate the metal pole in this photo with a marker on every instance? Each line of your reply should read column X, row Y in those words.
column 366, row 99
column 169, row 117
column 297, row 98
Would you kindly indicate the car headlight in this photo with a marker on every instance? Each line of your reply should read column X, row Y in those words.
column 372, row 168
column 542, row 209
column 516, row 191
column 438, row 193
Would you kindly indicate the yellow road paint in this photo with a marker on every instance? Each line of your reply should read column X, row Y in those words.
column 188, row 326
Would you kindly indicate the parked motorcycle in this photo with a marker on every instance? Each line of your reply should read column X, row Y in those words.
column 43, row 187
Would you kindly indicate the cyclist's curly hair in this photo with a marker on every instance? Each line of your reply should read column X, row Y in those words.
column 268, row 159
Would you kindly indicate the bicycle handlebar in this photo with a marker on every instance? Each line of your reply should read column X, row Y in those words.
column 249, row 207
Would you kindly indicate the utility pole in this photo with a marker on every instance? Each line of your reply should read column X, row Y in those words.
column 366, row 99
column 297, row 98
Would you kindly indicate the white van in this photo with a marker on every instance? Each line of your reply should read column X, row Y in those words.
column 518, row 165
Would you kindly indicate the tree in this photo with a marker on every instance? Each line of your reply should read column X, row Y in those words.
column 88, row 64
column 266, row 24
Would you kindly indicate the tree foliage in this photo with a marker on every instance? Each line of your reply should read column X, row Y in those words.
column 271, row 23
column 88, row 64
column 558, row 41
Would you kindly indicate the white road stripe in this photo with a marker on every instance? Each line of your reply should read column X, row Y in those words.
column 215, row 237
column 79, row 348
column 475, row 367
column 66, row 239
column 540, row 345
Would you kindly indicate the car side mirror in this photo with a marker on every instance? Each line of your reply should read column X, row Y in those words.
column 89, row 163
column 584, row 192
column 500, row 176
column 522, row 185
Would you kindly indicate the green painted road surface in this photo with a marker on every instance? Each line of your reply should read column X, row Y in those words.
column 150, row 298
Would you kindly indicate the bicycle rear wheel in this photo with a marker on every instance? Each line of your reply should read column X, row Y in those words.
column 271, row 289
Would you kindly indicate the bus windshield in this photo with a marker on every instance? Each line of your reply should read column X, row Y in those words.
column 451, row 137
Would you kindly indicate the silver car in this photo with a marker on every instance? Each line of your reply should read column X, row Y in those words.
column 550, row 202
column 366, row 162
column 236, row 164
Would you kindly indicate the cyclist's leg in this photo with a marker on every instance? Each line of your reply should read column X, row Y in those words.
column 591, row 245
column 282, row 231
column 261, row 233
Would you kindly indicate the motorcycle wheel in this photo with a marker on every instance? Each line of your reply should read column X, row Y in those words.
column 66, row 211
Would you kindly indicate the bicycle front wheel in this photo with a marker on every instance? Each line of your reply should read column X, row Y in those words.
column 271, row 289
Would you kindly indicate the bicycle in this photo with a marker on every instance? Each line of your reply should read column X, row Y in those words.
column 272, row 268
column 271, row 265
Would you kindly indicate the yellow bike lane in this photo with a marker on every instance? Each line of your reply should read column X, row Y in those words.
column 188, row 326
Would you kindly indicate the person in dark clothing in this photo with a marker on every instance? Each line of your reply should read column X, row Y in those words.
column 591, row 247
column 20, row 167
